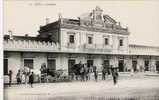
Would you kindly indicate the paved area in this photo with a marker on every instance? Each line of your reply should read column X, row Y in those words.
column 141, row 88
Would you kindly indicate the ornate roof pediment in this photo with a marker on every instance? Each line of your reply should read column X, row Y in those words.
column 108, row 19
column 97, row 16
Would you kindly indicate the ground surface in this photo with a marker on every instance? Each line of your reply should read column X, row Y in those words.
column 128, row 88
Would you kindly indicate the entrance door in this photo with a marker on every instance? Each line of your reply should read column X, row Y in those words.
column 5, row 62
column 121, row 65
column 146, row 65
column 28, row 63
column 106, row 64
column 157, row 66
column 51, row 64
column 71, row 63
column 89, row 63
column 134, row 65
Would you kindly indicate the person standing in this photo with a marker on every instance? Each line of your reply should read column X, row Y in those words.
column 10, row 77
column 103, row 73
column 115, row 76
column 95, row 73
column 72, row 73
column 18, row 77
column 82, row 72
column 26, row 72
column 89, row 73
column 31, row 79
column 76, row 71
column 86, row 72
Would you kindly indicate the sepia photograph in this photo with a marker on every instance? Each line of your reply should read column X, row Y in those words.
column 80, row 50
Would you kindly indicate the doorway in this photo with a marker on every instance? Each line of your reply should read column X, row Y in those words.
column 134, row 65
column 157, row 66
column 28, row 63
column 5, row 66
column 121, row 65
column 71, row 63
column 106, row 64
column 89, row 63
column 146, row 65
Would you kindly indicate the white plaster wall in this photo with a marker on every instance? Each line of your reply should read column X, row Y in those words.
column 115, row 39
column 82, row 58
column 62, row 63
column 128, row 63
column 140, row 62
column 153, row 64
column 39, row 59
column 98, row 38
column 98, row 61
column 82, row 38
column 14, row 63
column 114, row 61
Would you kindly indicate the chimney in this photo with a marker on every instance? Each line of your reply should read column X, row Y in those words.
column 60, row 18
column 10, row 34
column 26, row 35
column 47, row 21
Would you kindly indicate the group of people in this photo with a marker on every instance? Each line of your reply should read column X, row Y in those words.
column 19, row 76
column 83, row 72
column 79, row 71
column 29, row 75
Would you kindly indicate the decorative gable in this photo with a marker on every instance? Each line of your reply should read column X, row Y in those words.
column 109, row 20
column 96, row 18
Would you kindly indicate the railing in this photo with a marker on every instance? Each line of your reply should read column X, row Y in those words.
column 97, row 48
column 143, row 50
column 26, row 45
column 39, row 46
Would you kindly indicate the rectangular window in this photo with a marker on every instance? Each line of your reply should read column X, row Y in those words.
column 106, row 41
column 121, row 42
column 28, row 63
column 51, row 64
column 90, row 40
column 5, row 62
column 72, row 39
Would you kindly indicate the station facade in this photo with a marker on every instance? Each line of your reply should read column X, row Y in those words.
column 94, row 38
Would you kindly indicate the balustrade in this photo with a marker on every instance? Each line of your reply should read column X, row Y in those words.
column 25, row 45
column 97, row 48
column 143, row 50
column 28, row 45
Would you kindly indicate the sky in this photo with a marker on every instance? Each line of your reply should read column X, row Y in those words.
column 141, row 17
